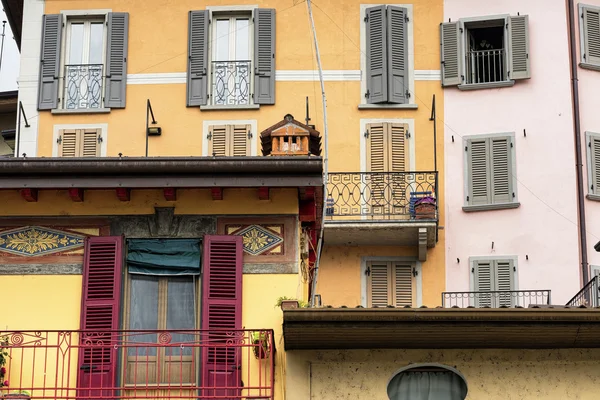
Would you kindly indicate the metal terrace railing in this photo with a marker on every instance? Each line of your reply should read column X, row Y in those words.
column 494, row 299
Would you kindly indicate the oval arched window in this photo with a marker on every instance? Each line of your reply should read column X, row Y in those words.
column 427, row 382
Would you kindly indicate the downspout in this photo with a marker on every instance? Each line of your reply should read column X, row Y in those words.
column 578, row 158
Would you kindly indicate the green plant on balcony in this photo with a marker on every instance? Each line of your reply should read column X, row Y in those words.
column 261, row 348
column 18, row 394
column 4, row 356
column 287, row 303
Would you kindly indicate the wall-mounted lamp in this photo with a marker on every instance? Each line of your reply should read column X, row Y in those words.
column 154, row 130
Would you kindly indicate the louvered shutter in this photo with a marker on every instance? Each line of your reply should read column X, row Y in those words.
column 116, row 60
column 379, row 288
column 89, row 143
column 377, row 164
column 450, row 48
column 50, row 61
column 264, row 56
column 501, row 170
column 217, row 140
column 595, row 163
column 504, row 282
column 397, row 51
column 222, row 314
column 478, row 153
column 197, row 80
column 518, row 34
column 377, row 64
column 591, row 35
column 484, row 283
column 100, row 312
column 70, row 143
column 240, row 142
column 403, row 285
column 398, row 162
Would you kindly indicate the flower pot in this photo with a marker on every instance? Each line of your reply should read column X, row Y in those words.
column 260, row 352
column 17, row 396
column 425, row 211
column 289, row 304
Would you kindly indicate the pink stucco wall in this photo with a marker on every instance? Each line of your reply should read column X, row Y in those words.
column 589, row 87
column 544, row 227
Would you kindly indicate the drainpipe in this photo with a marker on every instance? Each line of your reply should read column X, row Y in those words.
column 577, row 130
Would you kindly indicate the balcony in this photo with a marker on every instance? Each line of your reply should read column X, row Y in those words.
column 486, row 66
column 382, row 208
column 496, row 299
column 588, row 296
column 231, row 83
column 83, row 86
column 141, row 364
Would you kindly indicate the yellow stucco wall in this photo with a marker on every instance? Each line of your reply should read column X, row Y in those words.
column 490, row 374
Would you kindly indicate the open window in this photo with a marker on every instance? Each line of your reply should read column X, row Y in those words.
column 485, row 52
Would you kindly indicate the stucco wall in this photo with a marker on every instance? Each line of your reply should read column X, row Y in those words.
column 544, row 227
column 490, row 374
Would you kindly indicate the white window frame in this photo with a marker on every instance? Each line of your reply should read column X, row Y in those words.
column 412, row 261
column 253, row 129
column 80, row 16
column 362, row 104
column 230, row 12
column 492, row 206
column 590, row 164
column 58, row 128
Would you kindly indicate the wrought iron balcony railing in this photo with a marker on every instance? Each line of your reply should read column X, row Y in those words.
column 194, row 364
column 83, row 86
column 486, row 66
column 231, row 82
column 588, row 296
column 495, row 299
column 381, row 195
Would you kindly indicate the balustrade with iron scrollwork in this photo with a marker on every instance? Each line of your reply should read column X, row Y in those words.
column 231, row 82
column 83, row 86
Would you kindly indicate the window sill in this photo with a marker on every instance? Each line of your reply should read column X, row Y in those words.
column 231, row 108
column 489, row 207
column 593, row 197
column 594, row 67
column 81, row 111
column 386, row 106
column 491, row 85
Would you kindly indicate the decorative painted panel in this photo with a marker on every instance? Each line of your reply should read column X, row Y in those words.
column 259, row 239
column 32, row 241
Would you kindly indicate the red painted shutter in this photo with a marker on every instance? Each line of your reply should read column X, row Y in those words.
column 99, row 316
column 222, row 314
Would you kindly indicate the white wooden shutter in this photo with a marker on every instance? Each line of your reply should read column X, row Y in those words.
column 89, row 143
column 595, row 164
column 217, row 140
column 69, row 143
column 501, row 170
column 591, row 35
column 450, row 57
column 403, row 285
column 518, row 36
column 240, row 140
column 379, row 290
column 478, row 172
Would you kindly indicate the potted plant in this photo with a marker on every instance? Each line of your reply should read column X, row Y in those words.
column 19, row 394
column 4, row 356
column 425, row 208
column 287, row 303
column 261, row 346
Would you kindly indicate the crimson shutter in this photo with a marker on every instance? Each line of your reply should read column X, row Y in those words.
column 222, row 315
column 99, row 316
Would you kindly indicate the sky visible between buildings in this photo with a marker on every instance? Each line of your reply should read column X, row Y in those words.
column 9, row 70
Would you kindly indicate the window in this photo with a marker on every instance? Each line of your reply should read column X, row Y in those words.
column 494, row 275
column 232, row 64
column 593, row 158
column 589, row 34
column 229, row 140
column 427, row 381
column 485, row 52
column 87, row 70
column 390, row 283
column 387, row 51
column 79, row 142
column 490, row 172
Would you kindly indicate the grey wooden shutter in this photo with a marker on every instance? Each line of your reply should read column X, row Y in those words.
column 264, row 56
column 504, row 282
column 518, row 34
column 591, row 35
column 501, row 170
column 50, row 61
column 397, row 50
column 478, row 172
column 379, row 288
column 595, row 163
column 197, row 79
column 377, row 64
column 403, row 285
column 116, row 60
column 483, row 278
column 450, row 48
